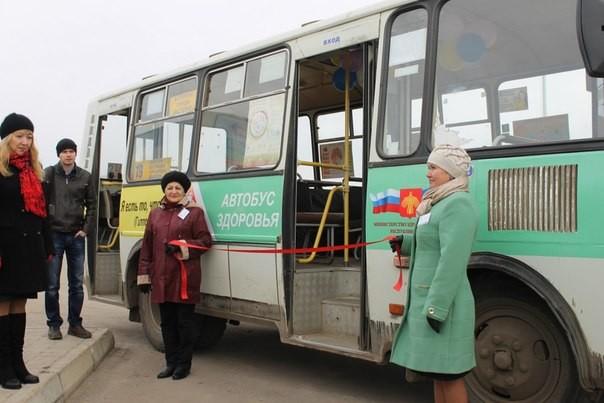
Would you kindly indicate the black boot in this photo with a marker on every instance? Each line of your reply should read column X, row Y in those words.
column 187, row 335
column 8, row 379
column 17, row 332
column 169, row 332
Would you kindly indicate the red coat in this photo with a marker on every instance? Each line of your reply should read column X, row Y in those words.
column 163, row 270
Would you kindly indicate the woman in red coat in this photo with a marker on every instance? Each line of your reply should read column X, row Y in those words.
column 173, row 273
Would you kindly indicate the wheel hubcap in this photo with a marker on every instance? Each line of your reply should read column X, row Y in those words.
column 515, row 361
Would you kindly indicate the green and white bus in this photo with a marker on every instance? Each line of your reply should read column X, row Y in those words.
column 319, row 137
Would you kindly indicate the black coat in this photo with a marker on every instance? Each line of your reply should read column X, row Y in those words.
column 25, row 242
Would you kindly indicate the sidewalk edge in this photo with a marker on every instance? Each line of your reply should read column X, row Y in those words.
column 71, row 371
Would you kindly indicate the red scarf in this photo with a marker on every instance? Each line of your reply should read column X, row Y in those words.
column 31, row 187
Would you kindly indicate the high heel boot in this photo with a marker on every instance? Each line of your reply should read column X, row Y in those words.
column 17, row 333
column 8, row 378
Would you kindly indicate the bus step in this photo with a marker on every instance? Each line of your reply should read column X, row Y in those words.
column 341, row 315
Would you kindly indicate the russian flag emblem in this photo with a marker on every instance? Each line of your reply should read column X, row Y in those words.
column 403, row 201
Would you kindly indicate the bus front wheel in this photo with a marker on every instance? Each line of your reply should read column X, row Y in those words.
column 150, row 319
column 211, row 329
column 522, row 355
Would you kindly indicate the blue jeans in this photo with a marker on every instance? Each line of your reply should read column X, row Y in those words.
column 65, row 242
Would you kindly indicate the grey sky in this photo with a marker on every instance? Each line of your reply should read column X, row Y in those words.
column 57, row 56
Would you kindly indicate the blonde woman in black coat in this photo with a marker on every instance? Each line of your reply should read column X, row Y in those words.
column 24, row 243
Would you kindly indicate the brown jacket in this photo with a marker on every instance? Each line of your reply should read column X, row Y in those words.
column 162, row 270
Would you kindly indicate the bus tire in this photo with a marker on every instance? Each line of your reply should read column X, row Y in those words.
column 211, row 330
column 522, row 355
column 149, row 313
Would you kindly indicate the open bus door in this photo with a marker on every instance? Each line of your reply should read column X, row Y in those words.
column 328, row 289
column 103, row 244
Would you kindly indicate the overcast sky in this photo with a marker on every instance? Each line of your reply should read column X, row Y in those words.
column 58, row 55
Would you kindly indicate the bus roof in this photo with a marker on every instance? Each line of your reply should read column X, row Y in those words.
column 262, row 44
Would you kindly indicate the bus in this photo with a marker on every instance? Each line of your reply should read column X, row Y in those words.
column 314, row 143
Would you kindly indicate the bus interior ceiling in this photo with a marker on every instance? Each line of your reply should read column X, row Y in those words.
column 326, row 287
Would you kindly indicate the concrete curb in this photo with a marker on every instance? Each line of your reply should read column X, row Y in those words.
column 62, row 378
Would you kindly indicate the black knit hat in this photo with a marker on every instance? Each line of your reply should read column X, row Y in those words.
column 14, row 122
column 175, row 176
column 66, row 144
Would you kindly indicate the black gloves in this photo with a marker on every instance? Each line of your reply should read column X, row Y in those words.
column 434, row 324
column 171, row 249
column 144, row 288
column 396, row 243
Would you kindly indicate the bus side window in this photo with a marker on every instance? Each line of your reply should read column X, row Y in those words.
column 242, row 116
column 164, row 129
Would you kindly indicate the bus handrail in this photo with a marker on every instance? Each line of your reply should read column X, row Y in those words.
column 344, row 187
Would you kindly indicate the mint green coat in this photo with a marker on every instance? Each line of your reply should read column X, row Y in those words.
column 438, row 286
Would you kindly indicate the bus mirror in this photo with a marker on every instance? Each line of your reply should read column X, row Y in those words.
column 590, row 31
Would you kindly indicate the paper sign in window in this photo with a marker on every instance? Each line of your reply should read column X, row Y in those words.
column 181, row 103
column 513, row 99
column 265, row 125
column 272, row 68
column 234, row 80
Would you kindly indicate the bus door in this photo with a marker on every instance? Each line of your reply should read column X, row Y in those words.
column 105, row 157
column 333, row 98
column 394, row 194
column 240, row 165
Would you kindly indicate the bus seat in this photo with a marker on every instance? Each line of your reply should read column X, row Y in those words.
column 311, row 200
column 108, row 219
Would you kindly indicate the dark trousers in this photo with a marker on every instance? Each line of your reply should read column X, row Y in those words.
column 179, row 331
column 66, row 243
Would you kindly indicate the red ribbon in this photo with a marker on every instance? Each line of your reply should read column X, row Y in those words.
column 183, row 281
column 399, row 283
column 288, row 251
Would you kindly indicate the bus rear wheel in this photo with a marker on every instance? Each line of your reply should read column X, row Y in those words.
column 521, row 354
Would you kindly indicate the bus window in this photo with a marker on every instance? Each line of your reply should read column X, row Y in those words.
column 599, row 91
column 305, row 148
column 405, row 84
column 181, row 98
column 536, row 109
column 113, row 145
column 465, row 117
column 247, row 131
column 330, row 133
column 224, row 86
column 266, row 74
column 163, row 133
column 495, row 90
column 152, row 105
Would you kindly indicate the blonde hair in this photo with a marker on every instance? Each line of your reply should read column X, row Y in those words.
column 5, row 152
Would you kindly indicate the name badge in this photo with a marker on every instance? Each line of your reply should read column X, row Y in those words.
column 183, row 214
column 423, row 219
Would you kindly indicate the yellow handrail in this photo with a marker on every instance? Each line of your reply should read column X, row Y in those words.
column 344, row 188
column 112, row 241
column 311, row 257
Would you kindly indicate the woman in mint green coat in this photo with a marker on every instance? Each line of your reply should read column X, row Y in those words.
column 436, row 336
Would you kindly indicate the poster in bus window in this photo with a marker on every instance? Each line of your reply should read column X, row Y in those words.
column 150, row 169
column 333, row 153
column 181, row 103
column 513, row 99
column 545, row 129
column 264, row 127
